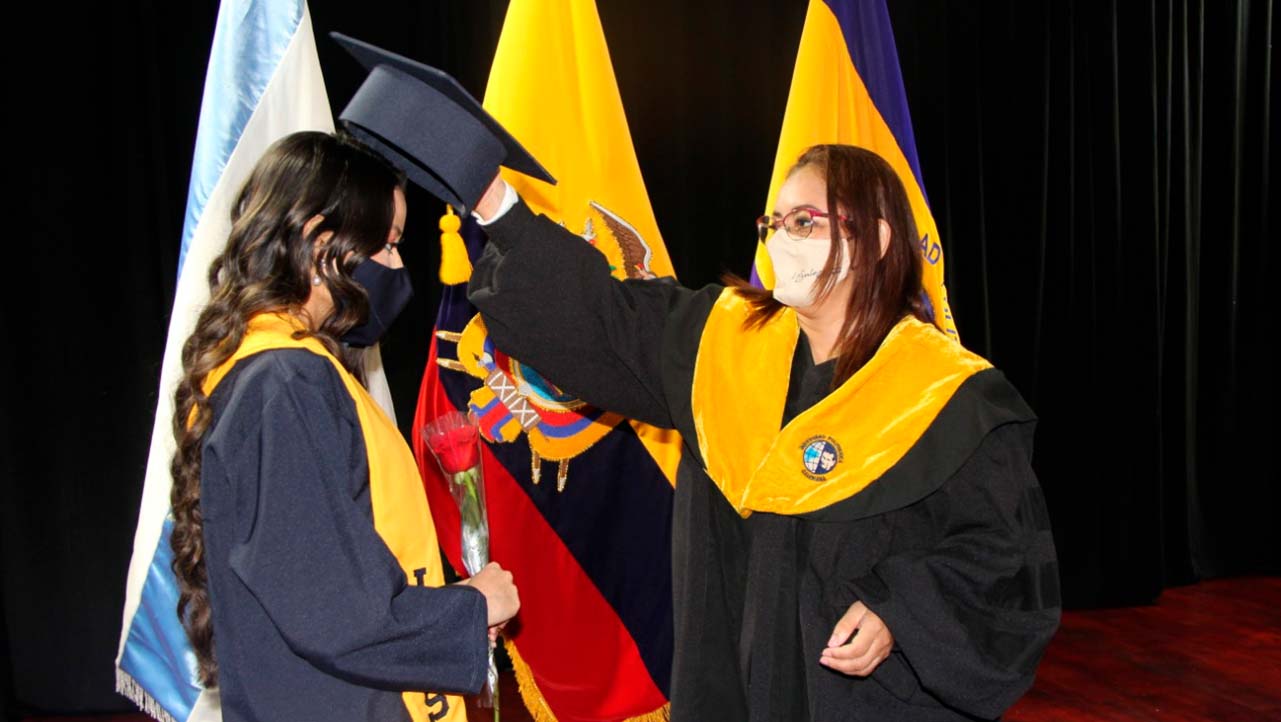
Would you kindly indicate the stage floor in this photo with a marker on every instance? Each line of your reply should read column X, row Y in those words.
column 1208, row 652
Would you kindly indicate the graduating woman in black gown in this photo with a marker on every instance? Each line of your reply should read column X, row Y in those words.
column 858, row 533
column 310, row 579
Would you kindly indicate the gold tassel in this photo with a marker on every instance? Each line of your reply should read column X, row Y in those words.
column 535, row 466
column 450, row 336
column 455, row 266
column 451, row 364
column 562, row 475
column 537, row 705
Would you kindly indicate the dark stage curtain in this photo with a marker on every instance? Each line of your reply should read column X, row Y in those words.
column 1099, row 170
column 1101, row 173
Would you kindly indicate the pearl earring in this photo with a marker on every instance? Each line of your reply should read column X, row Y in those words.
column 315, row 279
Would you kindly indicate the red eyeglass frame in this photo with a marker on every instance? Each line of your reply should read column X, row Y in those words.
column 764, row 224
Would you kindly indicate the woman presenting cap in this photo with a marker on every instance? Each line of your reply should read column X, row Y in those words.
column 858, row 533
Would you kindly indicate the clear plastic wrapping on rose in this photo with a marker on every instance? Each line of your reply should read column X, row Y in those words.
column 468, row 489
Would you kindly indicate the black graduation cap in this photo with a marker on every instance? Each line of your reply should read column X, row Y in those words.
column 424, row 123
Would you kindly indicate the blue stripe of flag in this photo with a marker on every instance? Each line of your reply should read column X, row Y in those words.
column 870, row 39
column 250, row 39
column 157, row 654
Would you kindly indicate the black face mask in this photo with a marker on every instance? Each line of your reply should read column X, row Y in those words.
column 389, row 290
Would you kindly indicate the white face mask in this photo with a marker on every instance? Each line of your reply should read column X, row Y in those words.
column 797, row 265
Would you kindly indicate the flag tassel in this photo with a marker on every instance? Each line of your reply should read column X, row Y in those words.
column 562, row 475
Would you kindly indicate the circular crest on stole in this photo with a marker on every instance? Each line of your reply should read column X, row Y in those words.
column 819, row 455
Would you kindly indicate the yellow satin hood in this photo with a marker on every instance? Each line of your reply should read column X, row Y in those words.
column 836, row 448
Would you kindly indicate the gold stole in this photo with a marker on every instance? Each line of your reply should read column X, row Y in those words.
column 837, row 447
column 401, row 515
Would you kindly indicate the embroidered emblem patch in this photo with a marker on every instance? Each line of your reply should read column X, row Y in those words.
column 819, row 455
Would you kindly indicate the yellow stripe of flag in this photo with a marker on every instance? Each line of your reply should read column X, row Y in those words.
column 552, row 85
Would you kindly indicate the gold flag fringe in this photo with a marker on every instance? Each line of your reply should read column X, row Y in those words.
column 129, row 687
column 537, row 705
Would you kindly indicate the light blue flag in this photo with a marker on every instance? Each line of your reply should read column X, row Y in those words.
column 263, row 83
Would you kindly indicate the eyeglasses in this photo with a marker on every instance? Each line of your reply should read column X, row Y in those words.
column 798, row 223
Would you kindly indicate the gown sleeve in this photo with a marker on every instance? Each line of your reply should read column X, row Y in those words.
column 307, row 551
column 548, row 299
column 973, row 608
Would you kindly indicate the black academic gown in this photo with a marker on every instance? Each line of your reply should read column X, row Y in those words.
column 313, row 618
column 963, row 573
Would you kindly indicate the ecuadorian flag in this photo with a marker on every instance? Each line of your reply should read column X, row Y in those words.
column 263, row 83
column 847, row 88
column 593, row 561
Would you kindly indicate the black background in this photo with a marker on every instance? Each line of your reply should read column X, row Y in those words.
column 1100, row 174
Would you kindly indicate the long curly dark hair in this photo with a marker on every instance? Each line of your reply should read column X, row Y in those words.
column 885, row 287
column 268, row 266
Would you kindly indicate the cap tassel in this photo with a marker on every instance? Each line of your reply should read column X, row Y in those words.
column 455, row 266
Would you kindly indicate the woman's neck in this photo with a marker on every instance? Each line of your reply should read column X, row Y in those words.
column 821, row 325
column 315, row 310
column 821, row 322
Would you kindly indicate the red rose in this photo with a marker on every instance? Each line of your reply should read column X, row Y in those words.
column 456, row 445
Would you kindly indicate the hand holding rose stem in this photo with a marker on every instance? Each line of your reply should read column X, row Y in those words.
column 500, row 593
